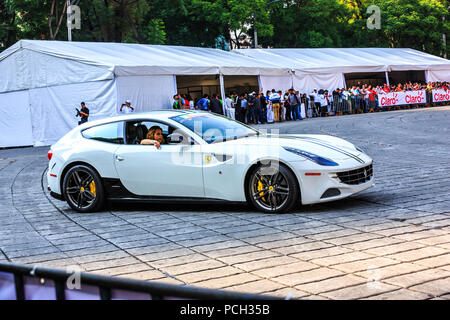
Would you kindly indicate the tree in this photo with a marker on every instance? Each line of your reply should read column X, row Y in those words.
column 235, row 19
column 413, row 24
column 57, row 12
column 308, row 23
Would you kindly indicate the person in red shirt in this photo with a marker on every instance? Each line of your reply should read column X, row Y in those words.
column 372, row 94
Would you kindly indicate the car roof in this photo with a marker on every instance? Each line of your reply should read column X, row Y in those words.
column 157, row 115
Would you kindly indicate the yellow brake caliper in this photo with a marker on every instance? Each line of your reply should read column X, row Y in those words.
column 260, row 187
column 92, row 187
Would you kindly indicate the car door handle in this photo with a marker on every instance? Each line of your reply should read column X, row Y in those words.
column 119, row 158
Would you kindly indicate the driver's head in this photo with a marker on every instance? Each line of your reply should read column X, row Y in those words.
column 155, row 133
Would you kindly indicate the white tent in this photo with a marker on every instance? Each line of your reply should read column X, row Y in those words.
column 41, row 82
column 325, row 68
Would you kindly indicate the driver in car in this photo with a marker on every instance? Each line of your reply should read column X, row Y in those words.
column 155, row 137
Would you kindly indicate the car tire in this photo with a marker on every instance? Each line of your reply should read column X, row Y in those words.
column 83, row 189
column 272, row 188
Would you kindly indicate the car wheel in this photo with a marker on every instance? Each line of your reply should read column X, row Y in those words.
column 272, row 188
column 82, row 189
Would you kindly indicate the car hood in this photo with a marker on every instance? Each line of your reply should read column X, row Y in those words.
column 322, row 145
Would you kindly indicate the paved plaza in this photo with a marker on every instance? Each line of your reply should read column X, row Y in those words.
column 389, row 242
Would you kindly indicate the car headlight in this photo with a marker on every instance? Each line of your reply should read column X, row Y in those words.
column 313, row 157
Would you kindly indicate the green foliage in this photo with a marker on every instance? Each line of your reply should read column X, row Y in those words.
column 308, row 23
column 280, row 23
column 406, row 24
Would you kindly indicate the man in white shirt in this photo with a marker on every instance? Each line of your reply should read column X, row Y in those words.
column 316, row 98
column 228, row 107
column 126, row 107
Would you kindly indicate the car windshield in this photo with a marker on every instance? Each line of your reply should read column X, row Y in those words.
column 214, row 128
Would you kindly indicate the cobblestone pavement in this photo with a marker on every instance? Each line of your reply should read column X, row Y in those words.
column 389, row 242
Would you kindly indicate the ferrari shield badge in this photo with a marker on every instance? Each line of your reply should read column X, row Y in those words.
column 208, row 158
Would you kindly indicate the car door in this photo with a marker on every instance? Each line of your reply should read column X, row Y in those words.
column 173, row 170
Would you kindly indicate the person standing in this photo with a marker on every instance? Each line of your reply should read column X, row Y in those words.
column 215, row 105
column 282, row 108
column 126, row 107
column 323, row 103
column 239, row 112
column 372, row 95
column 263, row 101
column 275, row 102
column 294, row 102
column 203, row 103
column 244, row 108
column 316, row 99
column 177, row 102
column 228, row 107
column 287, row 106
column 84, row 114
column 305, row 108
column 257, row 115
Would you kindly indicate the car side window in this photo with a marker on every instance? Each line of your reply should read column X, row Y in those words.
column 136, row 131
column 110, row 133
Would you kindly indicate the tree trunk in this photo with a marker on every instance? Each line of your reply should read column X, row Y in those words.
column 59, row 18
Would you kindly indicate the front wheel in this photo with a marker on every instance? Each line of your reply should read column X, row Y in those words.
column 272, row 188
column 82, row 189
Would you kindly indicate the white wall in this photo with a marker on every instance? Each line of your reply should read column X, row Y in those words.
column 15, row 120
column 437, row 76
column 53, row 108
column 146, row 92
column 282, row 83
column 306, row 83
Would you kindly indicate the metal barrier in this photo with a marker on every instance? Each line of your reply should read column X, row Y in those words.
column 22, row 282
column 358, row 104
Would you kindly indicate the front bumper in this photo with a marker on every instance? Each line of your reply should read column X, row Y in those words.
column 327, row 186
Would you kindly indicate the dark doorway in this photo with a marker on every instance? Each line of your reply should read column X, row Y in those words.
column 241, row 84
column 198, row 85
column 370, row 78
column 396, row 77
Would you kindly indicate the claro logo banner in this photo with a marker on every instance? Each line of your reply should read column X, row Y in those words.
column 440, row 95
column 400, row 98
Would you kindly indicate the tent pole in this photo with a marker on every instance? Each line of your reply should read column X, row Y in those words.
column 69, row 21
column 222, row 93
column 387, row 78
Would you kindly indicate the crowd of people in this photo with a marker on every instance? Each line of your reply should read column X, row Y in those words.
column 291, row 105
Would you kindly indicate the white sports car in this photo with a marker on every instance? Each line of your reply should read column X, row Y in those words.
column 202, row 158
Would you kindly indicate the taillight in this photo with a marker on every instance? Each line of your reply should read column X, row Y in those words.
column 49, row 155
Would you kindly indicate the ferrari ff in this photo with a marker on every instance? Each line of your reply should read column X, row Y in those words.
column 204, row 158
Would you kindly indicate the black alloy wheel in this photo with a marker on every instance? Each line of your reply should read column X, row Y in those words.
column 272, row 188
column 82, row 189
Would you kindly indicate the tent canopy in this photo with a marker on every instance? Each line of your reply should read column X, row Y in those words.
column 89, row 61
column 35, row 63
column 348, row 60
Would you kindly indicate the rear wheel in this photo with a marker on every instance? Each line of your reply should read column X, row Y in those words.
column 272, row 188
column 82, row 189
